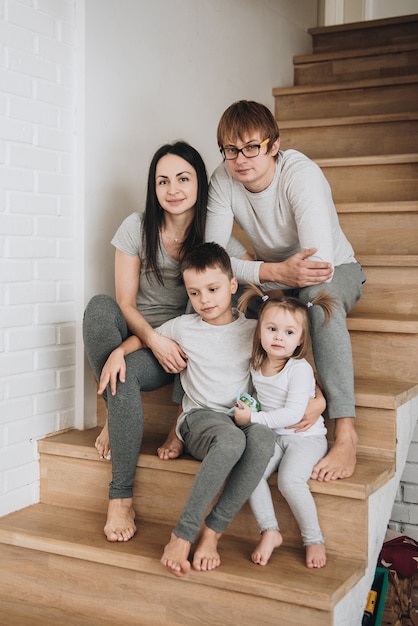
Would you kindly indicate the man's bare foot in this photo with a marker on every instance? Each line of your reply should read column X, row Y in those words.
column 175, row 556
column 270, row 539
column 102, row 443
column 316, row 555
column 206, row 556
column 120, row 523
column 340, row 462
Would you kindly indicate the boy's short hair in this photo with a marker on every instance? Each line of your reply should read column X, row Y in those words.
column 246, row 116
column 207, row 255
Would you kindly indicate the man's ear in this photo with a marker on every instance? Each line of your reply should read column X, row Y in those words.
column 275, row 147
column 234, row 285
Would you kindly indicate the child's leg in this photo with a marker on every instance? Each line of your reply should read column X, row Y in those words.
column 214, row 439
column 301, row 454
column 261, row 504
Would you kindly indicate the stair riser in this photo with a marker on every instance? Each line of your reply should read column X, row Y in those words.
column 160, row 496
column 110, row 595
column 346, row 102
column 358, row 68
column 373, row 183
column 385, row 355
column 351, row 140
column 381, row 233
column 348, row 38
column 389, row 290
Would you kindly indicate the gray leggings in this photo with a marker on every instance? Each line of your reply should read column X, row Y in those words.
column 294, row 456
column 104, row 329
column 224, row 449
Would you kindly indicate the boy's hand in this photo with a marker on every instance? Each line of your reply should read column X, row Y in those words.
column 242, row 414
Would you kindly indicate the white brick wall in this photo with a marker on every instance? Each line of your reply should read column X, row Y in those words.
column 405, row 510
column 37, row 236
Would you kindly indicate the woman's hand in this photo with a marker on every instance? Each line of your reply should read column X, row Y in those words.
column 114, row 368
column 168, row 353
column 316, row 406
column 242, row 414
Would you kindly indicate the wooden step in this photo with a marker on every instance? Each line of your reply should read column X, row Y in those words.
column 391, row 285
column 161, row 489
column 381, row 228
column 352, row 136
column 396, row 94
column 372, row 178
column 381, row 32
column 349, row 66
column 130, row 582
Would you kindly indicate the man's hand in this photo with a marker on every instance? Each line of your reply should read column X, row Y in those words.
column 297, row 271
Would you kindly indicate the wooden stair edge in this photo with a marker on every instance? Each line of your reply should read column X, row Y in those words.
column 384, row 323
column 383, row 159
column 391, row 260
column 354, row 120
column 43, row 528
column 353, row 53
column 363, row 83
column 401, row 206
column 363, row 25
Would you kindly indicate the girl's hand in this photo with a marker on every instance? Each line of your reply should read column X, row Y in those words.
column 168, row 353
column 316, row 406
column 114, row 368
column 242, row 414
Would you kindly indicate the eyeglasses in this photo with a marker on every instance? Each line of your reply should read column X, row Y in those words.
column 252, row 150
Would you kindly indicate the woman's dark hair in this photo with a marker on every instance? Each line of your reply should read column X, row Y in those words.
column 153, row 216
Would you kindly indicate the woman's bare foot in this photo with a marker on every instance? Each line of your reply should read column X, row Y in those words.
column 172, row 446
column 175, row 556
column 270, row 539
column 102, row 443
column 316, row 555
column 120, row 523
column 206, row 556
column 340, row 462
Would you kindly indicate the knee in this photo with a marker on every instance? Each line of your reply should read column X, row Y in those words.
column 233, row 445
column 262, row 437
column 97, row 305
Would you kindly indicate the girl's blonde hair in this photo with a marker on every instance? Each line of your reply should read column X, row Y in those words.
column 288, row 303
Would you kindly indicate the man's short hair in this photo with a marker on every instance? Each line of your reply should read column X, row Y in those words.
column 244, row 117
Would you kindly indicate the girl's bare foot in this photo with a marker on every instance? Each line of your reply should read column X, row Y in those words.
column 102, row 443
column 206, row 556
column 316, row 555
column 175, row 556
column 120, row 523
column 270, row 539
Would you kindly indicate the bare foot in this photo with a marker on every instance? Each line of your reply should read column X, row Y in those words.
column 206, row 556
column 102, row 443
column 120, row 523
column 316, row 555
column 175, row 556
column 340, row 462
column 172, row 446
column 270, row 539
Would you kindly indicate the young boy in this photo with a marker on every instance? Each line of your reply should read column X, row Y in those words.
column 218, row 342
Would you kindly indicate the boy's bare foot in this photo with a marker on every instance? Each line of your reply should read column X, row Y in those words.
column 316, row 555
column 102, row 443
column 206, row 556
column 172, row 448
column 340, row 462
column 120, row 523
column 270, row 539
column 175, row 556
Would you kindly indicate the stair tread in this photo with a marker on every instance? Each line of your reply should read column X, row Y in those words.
column 366, row 25
column 401, row 206
column 79, row 534
column 381, row 322
column 383, row 159
column 397, row 260
column 349, row 120
column 319, row 57
column 370, row 474
column 363, row 83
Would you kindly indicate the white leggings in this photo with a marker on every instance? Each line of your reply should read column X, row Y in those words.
column 294, row 457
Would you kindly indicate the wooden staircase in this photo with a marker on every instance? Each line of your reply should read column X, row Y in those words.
column 354, row 110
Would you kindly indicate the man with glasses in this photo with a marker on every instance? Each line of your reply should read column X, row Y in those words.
column 283, row 202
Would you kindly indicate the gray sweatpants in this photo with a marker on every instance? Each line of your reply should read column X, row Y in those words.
column 224, row 449
column 104, row 329
column 294, row 456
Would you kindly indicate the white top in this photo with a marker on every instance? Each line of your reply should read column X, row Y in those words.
column 218, row 365
column 284, row 398
column 294, row 213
